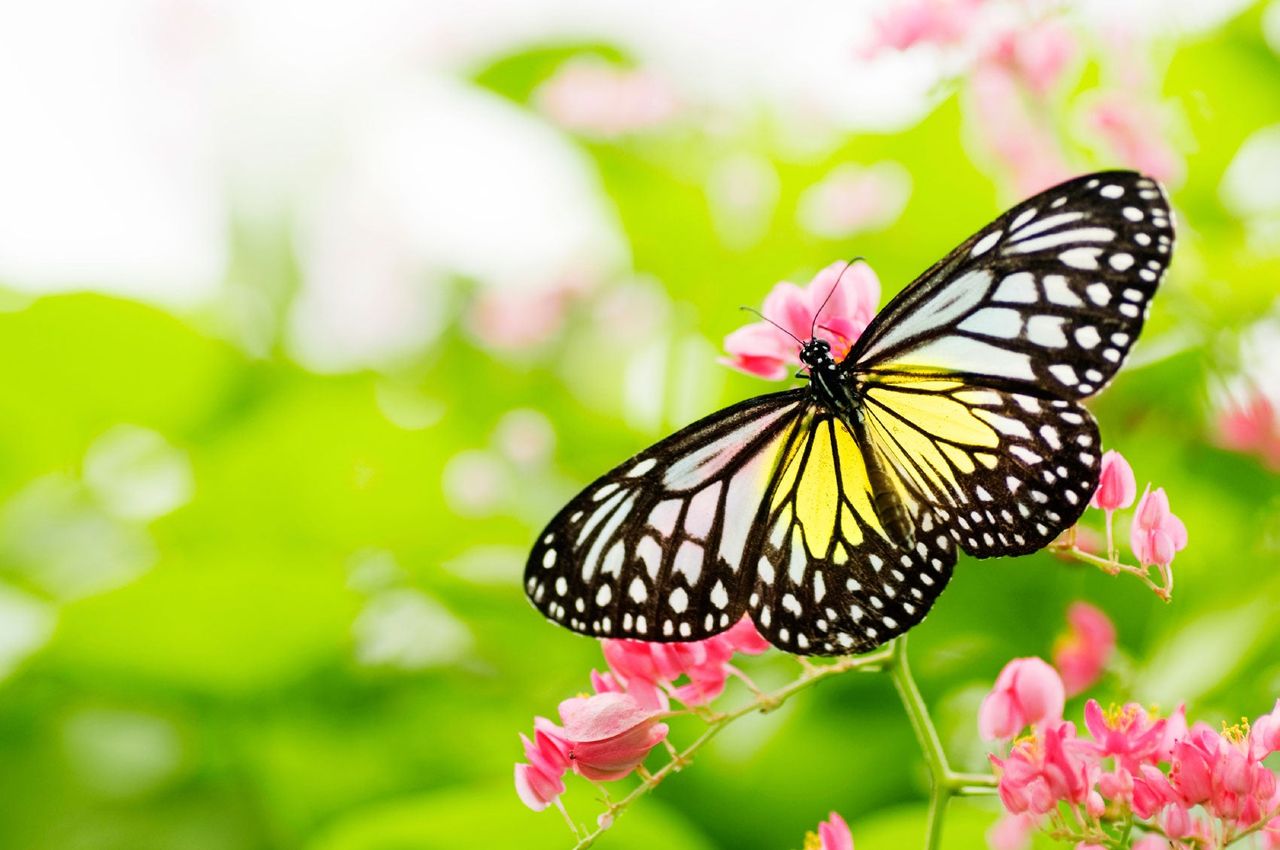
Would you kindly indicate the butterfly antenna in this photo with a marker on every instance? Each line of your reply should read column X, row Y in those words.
column 772, row 322
column 813, row 327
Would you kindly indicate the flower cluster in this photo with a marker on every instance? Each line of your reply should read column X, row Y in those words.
column 1156, row 534
column 606, row 736
column 837, row 306
column 1181, row 786
column 1016, row 55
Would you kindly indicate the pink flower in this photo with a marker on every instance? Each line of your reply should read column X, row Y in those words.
column 833, row 834
column 1128, row 734
column 745, row 638
column 540, row 782
column 1083, row 652
column 1264, row 736
column 1011, row 832
column 1151, row 842
column 1027, row 691
column 1038, row 53
column 852, row 199
column 1045, row 770
column 646, row 693
column 1176, row 821
column 766, row 351
column 1156, row 533
column 1133, row 128
column 1027, row 149
column 507, row 321
column 1116, row 486
column 597, row 98
column 646, row 668
column 1251, row 426
column 907, row 24
column 609, row 734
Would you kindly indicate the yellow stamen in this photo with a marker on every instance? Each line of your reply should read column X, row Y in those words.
column 1237, row 732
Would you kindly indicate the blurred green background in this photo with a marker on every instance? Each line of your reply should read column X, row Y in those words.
column 254, row 596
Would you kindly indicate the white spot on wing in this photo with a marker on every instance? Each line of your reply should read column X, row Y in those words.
column 1017, row 288
column 1047, row 331
column 1065, row 237
column 994, row 321
column 1081, row 258
column 719, row 597
column 1057, row 290
column 986, row 243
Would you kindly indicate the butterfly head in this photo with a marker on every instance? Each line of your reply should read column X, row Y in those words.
column 816, row 354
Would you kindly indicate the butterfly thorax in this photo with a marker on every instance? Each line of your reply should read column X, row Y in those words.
column 837, row 393
column 826, row 380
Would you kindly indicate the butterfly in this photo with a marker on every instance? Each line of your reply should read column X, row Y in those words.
column 832, row 513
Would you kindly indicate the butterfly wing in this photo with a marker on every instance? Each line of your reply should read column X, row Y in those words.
column 1047, row 299
column 970, row 377
column 657, row 548
column 1003, row 472
column 829, row 580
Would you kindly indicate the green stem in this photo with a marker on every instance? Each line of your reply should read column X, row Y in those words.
column 943, row 781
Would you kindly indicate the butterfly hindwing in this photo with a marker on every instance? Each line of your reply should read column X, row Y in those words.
column 1005, row 473
column 1050, row 296
column 655, row 548
column 829, row 580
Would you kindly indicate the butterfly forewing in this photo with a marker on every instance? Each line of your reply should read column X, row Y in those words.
column 829, row 580
column 655, row 549
column 1049, row 297
column 1004, row 473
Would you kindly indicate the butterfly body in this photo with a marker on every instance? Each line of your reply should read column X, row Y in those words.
column 832, row 513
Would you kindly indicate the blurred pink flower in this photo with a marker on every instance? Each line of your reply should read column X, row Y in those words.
column 511, row 321
column 1012, row 832
column 766, row 351
column 1116, row 485
column 1252, row 427
column 1038, row 53
column 597, row 98
column 540, row 782
column 1083, row 652
column 853, row 198
column 1151, row 842
column 1156, row 534
column 907, row 24
column 1027, row 148
column 1027, row 692
column 1264, row 735
column 609, row 734
column 833, row 834
column 1133, row 128
column 1176, row 821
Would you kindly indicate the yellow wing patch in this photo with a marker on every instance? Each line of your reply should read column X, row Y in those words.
column 825, row 484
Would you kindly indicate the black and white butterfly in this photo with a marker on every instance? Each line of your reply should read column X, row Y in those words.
column 831, row 513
